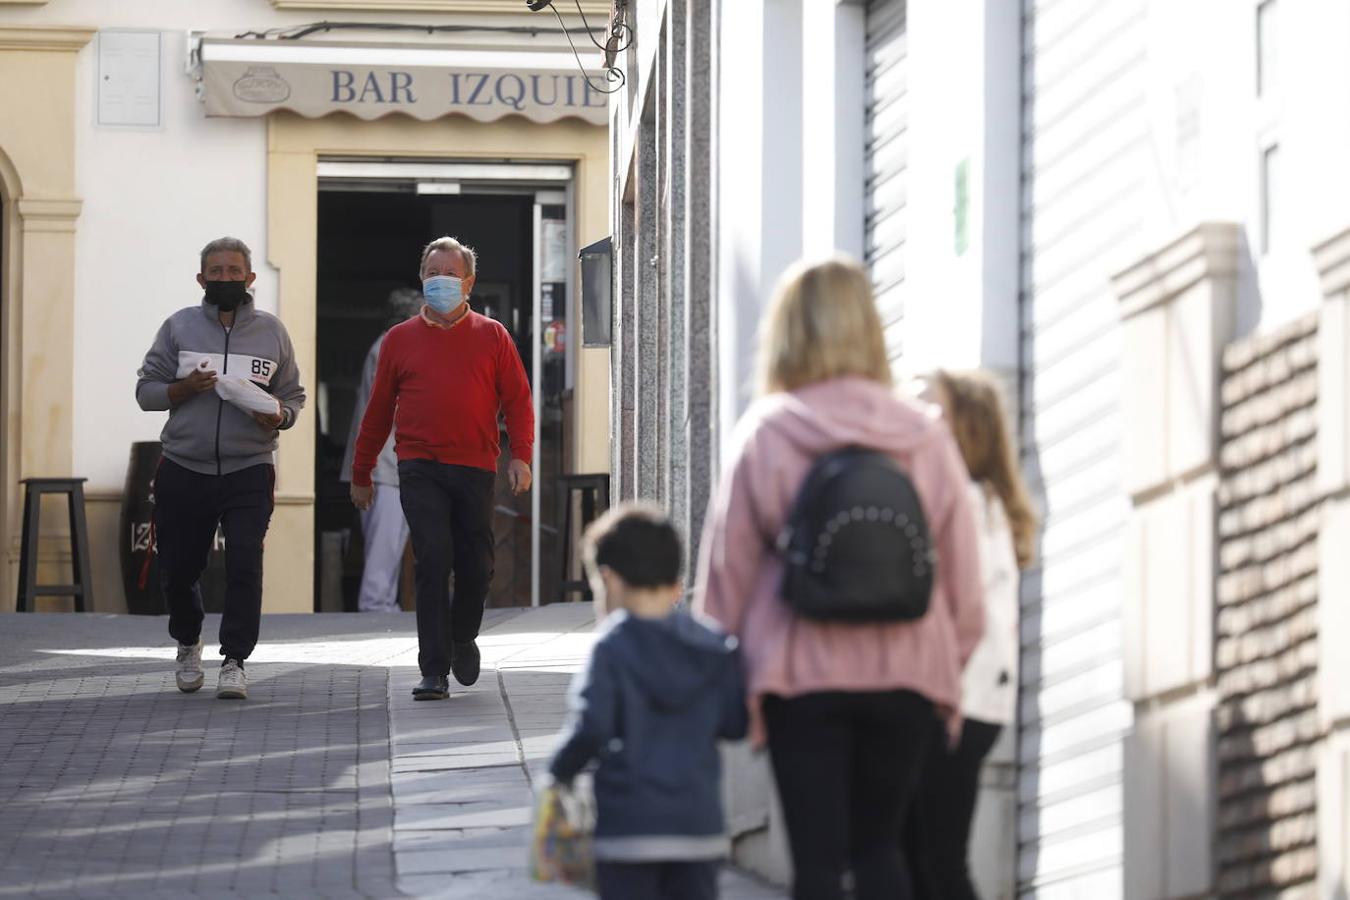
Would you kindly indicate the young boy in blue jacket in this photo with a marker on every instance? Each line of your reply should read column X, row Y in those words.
column 659, row 691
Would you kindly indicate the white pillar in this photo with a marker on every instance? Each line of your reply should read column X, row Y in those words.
column 1177, row 307
column 759, row 178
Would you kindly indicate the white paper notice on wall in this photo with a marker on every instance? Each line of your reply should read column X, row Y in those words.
column 129, row 78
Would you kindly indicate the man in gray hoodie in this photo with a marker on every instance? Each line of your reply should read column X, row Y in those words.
column 217, row 467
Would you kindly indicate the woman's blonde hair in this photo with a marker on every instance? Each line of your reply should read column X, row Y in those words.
column 974, row 407
column 822, row 323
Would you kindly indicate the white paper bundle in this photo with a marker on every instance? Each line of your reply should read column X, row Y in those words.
column 246, row 395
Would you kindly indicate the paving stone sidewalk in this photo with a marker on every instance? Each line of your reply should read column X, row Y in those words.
column 329, row 781
column 113, row 783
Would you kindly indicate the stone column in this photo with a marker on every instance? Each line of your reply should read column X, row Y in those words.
column 1177, row 307
column 698, row 226
column 676, row 168
column 1333, row 482
column 647, row 419
column 37, row 281
column 623, row 359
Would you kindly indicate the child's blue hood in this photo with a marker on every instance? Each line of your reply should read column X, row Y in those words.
column 672, row 659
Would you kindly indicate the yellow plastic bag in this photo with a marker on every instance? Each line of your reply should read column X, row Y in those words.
column 560, row 845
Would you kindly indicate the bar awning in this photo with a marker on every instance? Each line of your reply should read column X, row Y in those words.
column 316, row 78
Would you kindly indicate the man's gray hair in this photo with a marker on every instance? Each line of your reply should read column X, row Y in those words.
column 228, row 245
column 465, row 252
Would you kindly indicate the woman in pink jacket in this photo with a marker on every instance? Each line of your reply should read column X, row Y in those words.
column 845, row 709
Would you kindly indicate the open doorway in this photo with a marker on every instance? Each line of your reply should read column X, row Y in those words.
column 370, row 238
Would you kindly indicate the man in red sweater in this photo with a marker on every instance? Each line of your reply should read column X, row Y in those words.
column 442, row 379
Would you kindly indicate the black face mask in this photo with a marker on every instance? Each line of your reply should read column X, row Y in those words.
column 226, row 295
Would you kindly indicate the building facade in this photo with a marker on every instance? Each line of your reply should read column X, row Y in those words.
column 133, row 133
column 1132, row 211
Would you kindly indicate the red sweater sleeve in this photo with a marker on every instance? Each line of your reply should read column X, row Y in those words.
column 379, row 417
column 513, row 393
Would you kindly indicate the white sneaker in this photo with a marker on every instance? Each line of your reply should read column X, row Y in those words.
column 188, row 670
column 233, row 685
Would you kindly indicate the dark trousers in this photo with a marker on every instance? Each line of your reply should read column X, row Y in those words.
column 657, row 881
column 188, row 507
column 937, row 836
column 847, row 767
column 449, row 513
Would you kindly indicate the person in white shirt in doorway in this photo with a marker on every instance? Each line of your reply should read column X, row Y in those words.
column 383, row 525
column 938, row 833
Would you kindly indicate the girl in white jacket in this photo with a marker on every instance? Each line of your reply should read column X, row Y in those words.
column 938, row 834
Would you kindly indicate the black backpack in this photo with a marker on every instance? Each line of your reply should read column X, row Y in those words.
column 856, row 546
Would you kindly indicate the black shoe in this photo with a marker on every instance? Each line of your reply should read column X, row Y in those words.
column 433, row 687
column 465, row 662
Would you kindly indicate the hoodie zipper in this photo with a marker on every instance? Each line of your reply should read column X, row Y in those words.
column 220, row 408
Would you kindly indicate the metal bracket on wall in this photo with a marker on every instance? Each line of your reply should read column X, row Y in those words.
column 618, row 18
column 193, row 65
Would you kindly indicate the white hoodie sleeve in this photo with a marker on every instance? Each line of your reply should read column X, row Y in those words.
column 989, row 682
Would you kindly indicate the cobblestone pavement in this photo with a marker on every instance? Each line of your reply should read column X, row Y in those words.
column 329, row 781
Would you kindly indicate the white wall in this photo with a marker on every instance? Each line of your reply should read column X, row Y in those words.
column 833, row 132
column 961, row 310
column 152, row 199
column 759, row 180
column 946, row 104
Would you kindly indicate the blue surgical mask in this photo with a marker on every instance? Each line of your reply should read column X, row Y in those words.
column 444, row 293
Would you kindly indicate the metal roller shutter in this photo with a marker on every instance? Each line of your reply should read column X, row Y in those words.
column 887, row 160
column 1085, row 152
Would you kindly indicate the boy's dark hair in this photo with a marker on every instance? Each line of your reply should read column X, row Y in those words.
column 637, row 542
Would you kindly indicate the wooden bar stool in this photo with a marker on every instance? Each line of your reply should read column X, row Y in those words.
column 29, row 590
column 594, row 492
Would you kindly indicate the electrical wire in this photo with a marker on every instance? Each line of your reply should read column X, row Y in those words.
column 599, row 46
column 613, row 74
column 298, row 32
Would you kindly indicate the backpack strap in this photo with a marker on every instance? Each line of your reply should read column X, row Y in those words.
column 825, row 467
